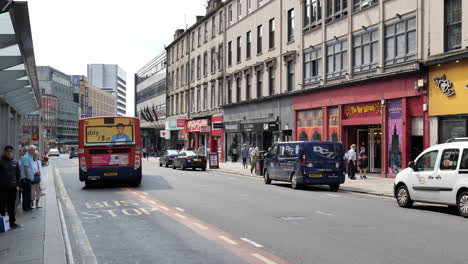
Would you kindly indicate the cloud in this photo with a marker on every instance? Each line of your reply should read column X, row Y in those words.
column 69, row 34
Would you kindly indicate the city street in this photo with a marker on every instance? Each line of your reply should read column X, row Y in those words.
column 210, row 217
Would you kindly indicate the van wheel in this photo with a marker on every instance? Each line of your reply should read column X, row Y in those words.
column 403, row 197
column 89, row 184
column 294, row 184
column 266, row 177
column 173, row 166
column 203, row 168
column 160, row 164
column 182, row 166
column 462, row 203
column 166, row 164
column 334, row 187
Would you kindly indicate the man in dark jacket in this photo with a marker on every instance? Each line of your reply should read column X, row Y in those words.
column 9, row 184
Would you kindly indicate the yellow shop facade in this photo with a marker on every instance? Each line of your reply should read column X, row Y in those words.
column 448, row 101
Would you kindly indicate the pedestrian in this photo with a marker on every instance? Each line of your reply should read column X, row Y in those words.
column 27, row 174
column 10, row 182
column 201, row 150
column 363, row 163
column 151, row 152
column 145, row 154
column 251, row 149
column 254, row 155
column 351, row 160
column 244, row 155
column 36, row 181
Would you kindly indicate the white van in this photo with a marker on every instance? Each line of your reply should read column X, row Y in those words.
column 438, row 175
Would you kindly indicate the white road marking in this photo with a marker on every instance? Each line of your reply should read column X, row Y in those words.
column 232, row 242
column 200, row 226
column 145, row 193
column 153, row 202
column 142, row 197
column 331, row 195
column 255, row 244
column 135, row 192
column 180, row 216
column 165, row 208
column 66, row 237
column 323, row 213
column 262, row 258
column 180, row 209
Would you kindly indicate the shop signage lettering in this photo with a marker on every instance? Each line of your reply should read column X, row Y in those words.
column 248, row 127
column 175, row 124
column 232, row 127
column 181, row 123
column 444, row 85
column 362, row 110
column 204, row 129
column 196, row 125
column 218, row 126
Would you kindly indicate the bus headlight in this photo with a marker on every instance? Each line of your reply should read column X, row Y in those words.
column 83, row 164
column 137, row 162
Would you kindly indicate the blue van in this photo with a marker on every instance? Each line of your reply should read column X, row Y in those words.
column 306, row 163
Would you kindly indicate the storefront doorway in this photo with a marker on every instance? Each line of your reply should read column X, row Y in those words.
column 371, row 139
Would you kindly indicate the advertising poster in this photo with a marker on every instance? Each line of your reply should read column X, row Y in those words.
column 109, row 131
column 395, row 125
column 309, row 124
column 333, row 124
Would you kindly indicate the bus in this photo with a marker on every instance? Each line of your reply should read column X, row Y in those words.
column 110, row 149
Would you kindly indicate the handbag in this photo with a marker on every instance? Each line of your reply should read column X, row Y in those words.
column 37, row 178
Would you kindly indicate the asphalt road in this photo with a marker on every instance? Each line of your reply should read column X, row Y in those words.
column 209, row 217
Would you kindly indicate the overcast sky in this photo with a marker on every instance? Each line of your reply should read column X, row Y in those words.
column 69, row 34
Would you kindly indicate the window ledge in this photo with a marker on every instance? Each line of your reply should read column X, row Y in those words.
column 272, row 49
column 259, row 54
column 248, row 58
column 290, row 42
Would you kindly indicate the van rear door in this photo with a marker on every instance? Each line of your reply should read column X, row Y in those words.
column 324, row 159
column 287, row 156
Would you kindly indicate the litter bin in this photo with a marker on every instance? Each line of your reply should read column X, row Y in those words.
column 260, row 163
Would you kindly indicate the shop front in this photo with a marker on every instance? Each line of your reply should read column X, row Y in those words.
column 198, row 132
column 385, row 117
column 175, row 133
column 217, row 136
column 448, row 97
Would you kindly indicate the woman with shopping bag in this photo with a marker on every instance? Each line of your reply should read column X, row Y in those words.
column 36, row 182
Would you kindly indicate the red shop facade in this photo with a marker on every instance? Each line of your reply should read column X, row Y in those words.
column 385, row 116
column 206, row 132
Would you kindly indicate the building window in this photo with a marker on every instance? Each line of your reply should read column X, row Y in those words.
column 230, row 14
column 213, row 26
column 239, row 9
column 291, row 24
column 259, row 3
column 198, row 67
column 336, row 9
column 220, row 92
column 453, row 24
column 229, row 53
column 187, row 75
column 212, row 95
column 400, row 41
column 188, row 43
column 312, row 65
column 363, row 4
column 182, row 75
column 172, row 81
column 205, row 64
column 248, row 86
column 213, row 60
column 199, row 36
column 221, row 26
column 192, row 71
column 205, row 97
column 259, row 83
column 205, row 32
column 182, row 48
column 238, row 49
column 337, row 58
column 193, row 40
column 312, row 13
column 259, row 39
column 271, row 80
column 365, row 50
column 229, row 90
column 238, row 89
column 177, row 104
column 248, row 44
column 198, row 99
column 220, row 57
column 249, row 6
column 290, row 74
column 271, row 33
column 177, row 78
column 177, row 52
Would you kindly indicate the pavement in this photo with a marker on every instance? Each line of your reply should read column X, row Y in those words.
column 375, row 184
column 40, row 239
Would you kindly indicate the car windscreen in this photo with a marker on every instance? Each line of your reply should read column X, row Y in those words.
column 190, row 153
column 172, row 152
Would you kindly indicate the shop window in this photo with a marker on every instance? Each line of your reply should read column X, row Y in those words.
column 453, row 24
column 337, row 58
column 452, row 128
column 312, row 65
column 427, row 161
column 449, row 160
column 365, row 50
column 400, row 41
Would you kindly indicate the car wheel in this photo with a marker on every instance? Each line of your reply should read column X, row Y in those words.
column 462, row 202
column 166, row 164
column 294, row 184
column 194, row 168
column 182, row 166
column 334, row 187
column 160, row 164
column 203, row 168
column 403, row 197
column 266, row 177
column 173, row 166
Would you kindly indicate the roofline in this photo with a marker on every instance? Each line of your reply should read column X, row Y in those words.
column 153, row 60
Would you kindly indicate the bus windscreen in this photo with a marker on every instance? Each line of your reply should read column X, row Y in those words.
column 104, row 131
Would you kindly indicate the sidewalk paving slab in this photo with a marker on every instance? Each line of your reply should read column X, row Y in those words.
column 375, row 184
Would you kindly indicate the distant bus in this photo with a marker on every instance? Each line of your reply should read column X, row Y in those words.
column 110, row 149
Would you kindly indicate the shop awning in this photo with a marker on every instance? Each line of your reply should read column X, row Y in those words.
column 18, row 78
column 260, row 120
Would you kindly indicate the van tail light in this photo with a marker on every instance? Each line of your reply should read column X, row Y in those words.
column 83, row 164
column 188, row 158
column 137, row 162
column 171, row 157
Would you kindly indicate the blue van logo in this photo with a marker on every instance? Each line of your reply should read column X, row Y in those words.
column 323, row 152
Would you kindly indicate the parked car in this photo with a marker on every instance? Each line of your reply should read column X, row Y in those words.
column 438, row 175
column 168, row 157
column 53, row 152
column 305, row 163
column 73, row 152
column 189, row 159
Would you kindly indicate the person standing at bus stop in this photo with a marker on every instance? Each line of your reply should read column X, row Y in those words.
column 351, row 159
column 9, row 185
column 27, row 174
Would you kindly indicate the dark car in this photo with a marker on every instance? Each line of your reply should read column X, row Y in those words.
column 73, row 152
column 189, row 159
column 168, row 157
